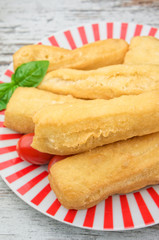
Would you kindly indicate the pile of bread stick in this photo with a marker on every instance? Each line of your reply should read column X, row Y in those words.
column 98, row 104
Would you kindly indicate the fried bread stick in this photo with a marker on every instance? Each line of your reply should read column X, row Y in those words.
column 105, row 83
column 143, row 50
column 24, row 103
column 83, row 180
column 90, row 56
column 81, row 126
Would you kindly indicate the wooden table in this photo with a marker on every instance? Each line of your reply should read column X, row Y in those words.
column 25, row 22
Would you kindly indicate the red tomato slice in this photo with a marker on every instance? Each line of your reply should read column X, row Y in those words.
column 29, row 154
column 54, row 160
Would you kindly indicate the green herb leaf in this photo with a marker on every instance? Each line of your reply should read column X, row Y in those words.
column 27, row 75
column 6, row 96
column 2, row 105
column 4, row 88
column 30, row 74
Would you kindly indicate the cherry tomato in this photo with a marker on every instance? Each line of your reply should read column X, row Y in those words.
column 54, row 160
column 29, row 154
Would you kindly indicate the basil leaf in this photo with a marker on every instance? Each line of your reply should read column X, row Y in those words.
column 4, row 87
column 7, row 95
column 2, row 105
column 30, row 74
column 27, row 75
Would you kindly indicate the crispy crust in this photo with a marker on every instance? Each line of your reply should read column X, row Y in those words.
column 143, row 50
column 83, row 180
column 108, row 82
column 90, row 56
column 79, row 127
column 24, row 103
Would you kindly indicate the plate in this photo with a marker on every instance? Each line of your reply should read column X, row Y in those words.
column 120, row 212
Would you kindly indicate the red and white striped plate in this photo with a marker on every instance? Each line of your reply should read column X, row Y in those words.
column 30, row 182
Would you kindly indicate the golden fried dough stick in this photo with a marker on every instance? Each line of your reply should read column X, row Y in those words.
column 90, row 56
column 77, row 127
column 24, row 103
column 108, row 82
column 143, row 50
column 83, row 180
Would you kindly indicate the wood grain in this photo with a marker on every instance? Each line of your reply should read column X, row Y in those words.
column 26, row 22
column 142, row 2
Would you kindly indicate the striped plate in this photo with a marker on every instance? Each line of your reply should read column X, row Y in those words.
column 30, row 182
